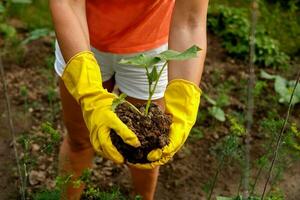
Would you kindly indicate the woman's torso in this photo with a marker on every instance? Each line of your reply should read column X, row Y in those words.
column 128, row 26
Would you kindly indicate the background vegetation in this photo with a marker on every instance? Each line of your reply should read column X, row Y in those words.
column 27, row 41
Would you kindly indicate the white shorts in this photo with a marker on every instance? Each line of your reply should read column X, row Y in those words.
column 130, row 80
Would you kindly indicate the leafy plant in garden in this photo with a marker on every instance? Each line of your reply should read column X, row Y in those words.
column 216, row 109
column 36, row 34
column 283, row 88
column 24, row 95
column 233, row 26
column 228, row 148
column 55, row 137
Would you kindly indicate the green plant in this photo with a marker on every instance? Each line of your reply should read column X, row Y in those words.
column 150, row 63
column 227, row 148
column 95, row 193
column 216, row 110
column 51, row 96
column 47, row 195
column 36, row 34
column 196, row 133
column 24, row 11
column 55, row 137
column 233, row 26
column 259, row 87
column 24, row 94
column 283, row 88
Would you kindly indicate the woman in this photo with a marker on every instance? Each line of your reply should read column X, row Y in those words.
column 113, row 30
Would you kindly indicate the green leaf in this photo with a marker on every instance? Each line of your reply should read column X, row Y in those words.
column 8, row 30
column 265, row 75
column 175, row 55
column 2, row 8
column 217, row 113
column 280, row 86
column 117, row 101
column 297, row 90
column 141, row 60
column 224, row 198
column 210, row 100
column 153, row 76
column 197, row 133
column 36, row 34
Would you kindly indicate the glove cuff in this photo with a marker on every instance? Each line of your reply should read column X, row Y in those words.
column 82, row 75
column 185, row 82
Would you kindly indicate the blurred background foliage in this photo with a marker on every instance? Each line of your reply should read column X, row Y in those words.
column 278, row 28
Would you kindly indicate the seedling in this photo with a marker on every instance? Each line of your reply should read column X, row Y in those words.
column 150, row 63
column 283, row 87
column 24, row 94
column 150, row 124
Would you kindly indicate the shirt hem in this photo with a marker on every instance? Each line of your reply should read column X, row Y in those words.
column 133, row 49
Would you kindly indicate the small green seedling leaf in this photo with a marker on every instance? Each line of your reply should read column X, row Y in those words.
column 7, row 30
column 267, row 76
column 197, row 133
column 117, row 101
column 217, row 113
column 141, row 60
column 54, row 134
column 297, row 90
column 175, row 55
column 281, row 88
column 224, row 198
column 36, row 34
column 210, row 100
column 153, row 75
column 2, row 8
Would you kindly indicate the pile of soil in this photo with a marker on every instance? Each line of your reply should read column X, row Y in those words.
column 152, row 131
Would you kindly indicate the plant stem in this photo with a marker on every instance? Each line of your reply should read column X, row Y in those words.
column 256, row 179
column 151, row 91
column 133, row 107
column 250, row 102
column 278, row 142
column 12, row 130
column 220, row 166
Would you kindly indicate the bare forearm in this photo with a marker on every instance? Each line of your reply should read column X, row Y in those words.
column 70, row 26
column 186, row 30
column 192, row 69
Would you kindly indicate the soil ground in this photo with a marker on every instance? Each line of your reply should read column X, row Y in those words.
column 182, row 179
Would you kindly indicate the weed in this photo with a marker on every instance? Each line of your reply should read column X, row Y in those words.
column 47, row 195
column 55, row 137
column 283, row 87
column 24, row 94
column 196, row 133
column 216, row 110
column 233, row 25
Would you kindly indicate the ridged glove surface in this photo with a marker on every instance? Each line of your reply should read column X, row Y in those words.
column 82, row 77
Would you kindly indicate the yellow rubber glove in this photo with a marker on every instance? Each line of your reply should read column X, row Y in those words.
column 182, row 99
column 82, row 78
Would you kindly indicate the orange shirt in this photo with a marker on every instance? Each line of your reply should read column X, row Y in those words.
column 128, row 26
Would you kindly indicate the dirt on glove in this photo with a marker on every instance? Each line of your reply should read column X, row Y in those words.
column 152, row 131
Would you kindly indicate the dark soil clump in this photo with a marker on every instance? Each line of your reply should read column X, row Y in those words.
column 152, row 131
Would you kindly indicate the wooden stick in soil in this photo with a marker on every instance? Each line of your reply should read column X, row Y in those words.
column 12, row 129
column 279, row 139
column 250, row 100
